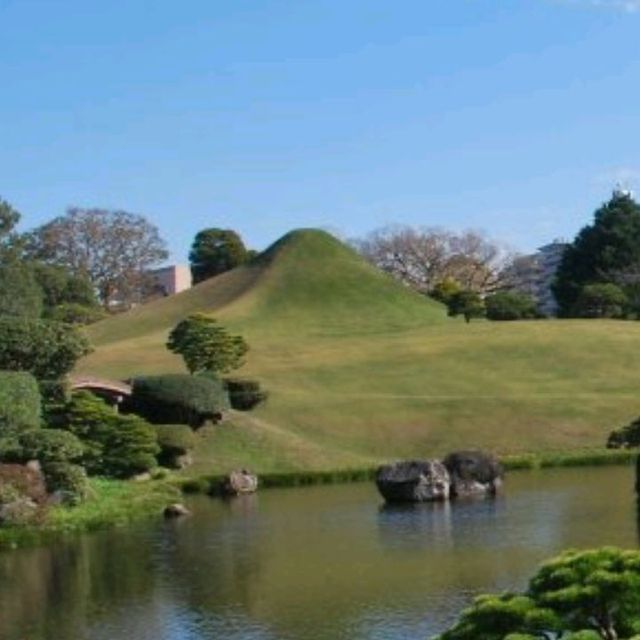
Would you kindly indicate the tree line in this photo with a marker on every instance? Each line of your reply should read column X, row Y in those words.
column 91, row 259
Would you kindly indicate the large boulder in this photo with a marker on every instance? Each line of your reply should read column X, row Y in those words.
column 473, row 473
column 413, row 481
column 239, row 482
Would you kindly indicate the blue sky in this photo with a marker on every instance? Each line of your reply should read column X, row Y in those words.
column 511, row 116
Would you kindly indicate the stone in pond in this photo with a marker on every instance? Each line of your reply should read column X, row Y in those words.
column 413, row 481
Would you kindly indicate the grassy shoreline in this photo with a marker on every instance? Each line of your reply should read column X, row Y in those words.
column 112, row 503
column 117, row 503
column 210, row 484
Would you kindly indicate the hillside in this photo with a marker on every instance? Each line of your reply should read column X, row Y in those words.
column 361, row 369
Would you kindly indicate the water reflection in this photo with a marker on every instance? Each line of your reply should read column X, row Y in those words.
column 308, row 564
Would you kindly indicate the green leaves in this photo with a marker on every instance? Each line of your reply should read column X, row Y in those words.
column 580, row 595
column 215, row 251
column 48, row 350
column 206, row 346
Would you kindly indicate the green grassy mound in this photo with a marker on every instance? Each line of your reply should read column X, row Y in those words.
column 360, row 369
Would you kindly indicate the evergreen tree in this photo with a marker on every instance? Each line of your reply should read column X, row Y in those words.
column 606, row 251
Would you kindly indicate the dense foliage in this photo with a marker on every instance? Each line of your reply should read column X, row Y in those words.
column 467, row 304
column 48, row 350
column 19, row 401
column 605, row 300
column 510, row 305
column 114, row 445
column 69, row 480
column 20, row 293
column 179, row 399
column 215, row 251
column 606, row 251
column 578, row 595
column 175, row 441
column 49, row 445
column 244, row 394
column 206, row 346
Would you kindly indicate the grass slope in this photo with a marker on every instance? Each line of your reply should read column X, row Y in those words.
column 360, row 369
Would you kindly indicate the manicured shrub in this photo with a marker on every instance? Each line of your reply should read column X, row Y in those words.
column 175, row 441
column 50, row 445
column 114, row 445
column 508, row 305
column 48, row 350
column 179, row 399
column 625, row 437
column 68, row 479
column 244, row 394
column 19, row 401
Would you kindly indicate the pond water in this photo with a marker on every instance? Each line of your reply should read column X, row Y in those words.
column 308, row 564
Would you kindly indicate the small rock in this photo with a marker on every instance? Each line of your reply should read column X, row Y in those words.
column 176, row 510
column 239, row 482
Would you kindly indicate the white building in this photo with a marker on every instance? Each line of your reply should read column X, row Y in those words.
column 173, row 279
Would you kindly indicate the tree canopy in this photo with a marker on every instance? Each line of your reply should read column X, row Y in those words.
column 467, row 304
column 113, row 249
column 606, row 251
column 583, row 595
column 206, row 346
column 48, row 350
column 215, row 251
column 423, row 258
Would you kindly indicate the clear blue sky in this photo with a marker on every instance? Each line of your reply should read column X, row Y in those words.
column 511, row 116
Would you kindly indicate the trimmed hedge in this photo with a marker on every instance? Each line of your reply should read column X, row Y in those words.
column 244, row 394
column 48, row 350
column 19, row 401
column 175, row 441
column 178, row 399
column 50, row 445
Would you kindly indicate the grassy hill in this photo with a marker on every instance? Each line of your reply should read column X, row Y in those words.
column 361, row 369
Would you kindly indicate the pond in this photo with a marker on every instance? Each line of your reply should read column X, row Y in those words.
column 317, row 563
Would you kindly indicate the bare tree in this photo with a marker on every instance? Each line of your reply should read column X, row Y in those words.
column 114, row 249
column 423, row 257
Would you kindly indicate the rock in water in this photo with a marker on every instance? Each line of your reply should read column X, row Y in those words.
column 239, row 482
column 473, row 473
column 413, row 481
column 176, row 510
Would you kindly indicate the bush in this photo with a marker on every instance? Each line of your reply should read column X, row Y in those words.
column 179, row 399
column 19, row 401
column 114, row 445
column 507, row 305
column 74, row 313
column 69, row 479
column 175, row 440
column 50, row 446
column 601, row 301
column 48, row 350
column 625, row 437
column 244, row 394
